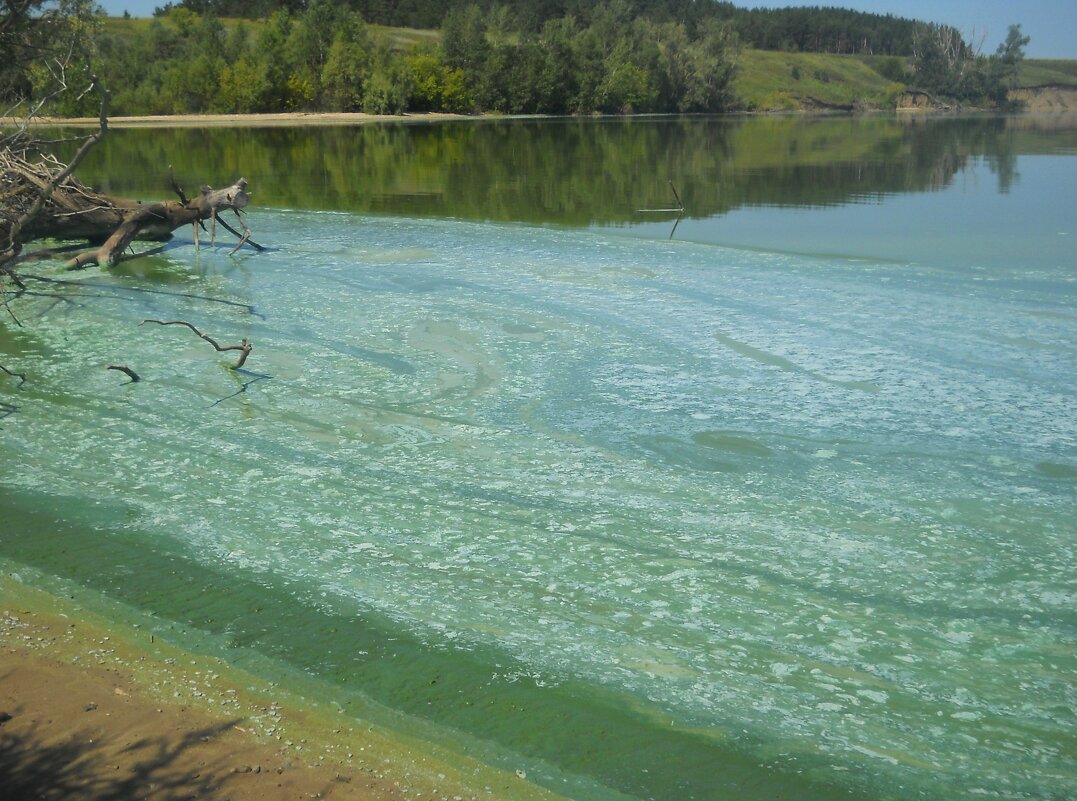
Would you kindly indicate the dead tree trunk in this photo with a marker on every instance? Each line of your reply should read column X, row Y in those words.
column 158, row 220
column 37, row 203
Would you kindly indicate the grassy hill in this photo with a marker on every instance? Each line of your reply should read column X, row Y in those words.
column 1044, row 71
column 769, row 80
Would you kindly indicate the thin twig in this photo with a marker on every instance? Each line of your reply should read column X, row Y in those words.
column 20, row 376
column 244, row 348
column 246, row 384
column 19, row 292
column 675, row 224
column 679, row 201
column 7, row 306
column 176, row 187
column 9, row 271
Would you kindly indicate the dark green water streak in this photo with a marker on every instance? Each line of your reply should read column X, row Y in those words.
column 580, row 729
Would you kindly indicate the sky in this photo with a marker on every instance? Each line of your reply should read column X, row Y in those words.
column 1052, row 24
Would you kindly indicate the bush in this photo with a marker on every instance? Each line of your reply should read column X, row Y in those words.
column 387, row 91
column 436, row 86
column 892, row 68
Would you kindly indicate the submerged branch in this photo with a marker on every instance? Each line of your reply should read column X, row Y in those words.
column 123, row 368
column 244, row 348
column 20, row 376
column 244, row 238
column 249, row 308
column 256, row 377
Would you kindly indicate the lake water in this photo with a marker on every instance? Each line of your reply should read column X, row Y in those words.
column 777, row 503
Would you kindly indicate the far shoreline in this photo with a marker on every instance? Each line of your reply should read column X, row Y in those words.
column 305, row 119
column 311, row 119
column 260, row 120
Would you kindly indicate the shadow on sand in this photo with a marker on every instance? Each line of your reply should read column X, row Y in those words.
column 34, row 766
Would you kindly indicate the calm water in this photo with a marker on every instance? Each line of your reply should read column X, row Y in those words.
column 780, row 507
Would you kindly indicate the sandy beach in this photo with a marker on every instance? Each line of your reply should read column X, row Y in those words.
column 294, row 118
column 87, row 713
column 93, row 733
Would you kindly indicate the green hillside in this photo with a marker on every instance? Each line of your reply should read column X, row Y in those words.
column 1044, row 71
column 770, row 80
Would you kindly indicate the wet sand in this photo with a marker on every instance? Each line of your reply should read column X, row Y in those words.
column 85, row 713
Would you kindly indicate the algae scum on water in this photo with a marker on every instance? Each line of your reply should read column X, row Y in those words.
column 636, row 518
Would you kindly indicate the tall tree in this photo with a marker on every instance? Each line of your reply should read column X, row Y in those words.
column 1011, row 53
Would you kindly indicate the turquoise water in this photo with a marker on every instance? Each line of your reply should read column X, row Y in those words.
column 641, row 518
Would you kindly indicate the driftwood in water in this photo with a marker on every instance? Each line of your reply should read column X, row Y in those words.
column 244, row 348
column 158, row 220
column 123, row 368
column 35, row 205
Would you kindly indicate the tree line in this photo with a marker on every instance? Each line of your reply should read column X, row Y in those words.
column 327, row 57
column 615, row 56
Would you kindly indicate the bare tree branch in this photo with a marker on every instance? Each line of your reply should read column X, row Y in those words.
column 245, row 238
column 176, row 187
column 14, row 245
column 244, row 348
column 20, row 376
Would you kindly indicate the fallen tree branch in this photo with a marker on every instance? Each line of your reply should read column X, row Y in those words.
column 244, row 348
column 160, row 219
column 7, row 307
column 123, row 368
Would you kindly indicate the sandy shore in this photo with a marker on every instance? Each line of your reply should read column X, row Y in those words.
column 255, row 120
column 92, row 733
column 86, row 712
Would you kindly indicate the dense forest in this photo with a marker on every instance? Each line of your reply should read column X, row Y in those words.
column 516, row 57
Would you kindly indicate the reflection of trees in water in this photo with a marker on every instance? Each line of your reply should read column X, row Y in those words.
column 581, row 171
